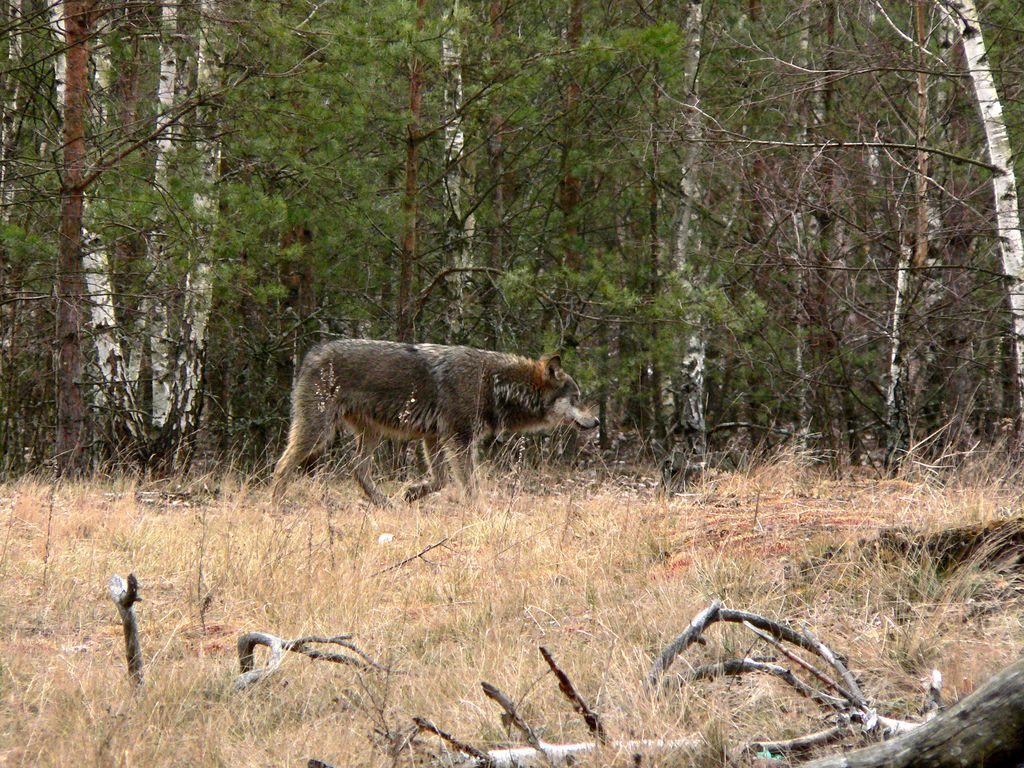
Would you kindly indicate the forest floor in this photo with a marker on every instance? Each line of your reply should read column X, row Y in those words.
column 596, row 567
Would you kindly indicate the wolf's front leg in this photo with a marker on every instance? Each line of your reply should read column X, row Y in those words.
column 366, row 444
column 437, row 473
column 461, row 457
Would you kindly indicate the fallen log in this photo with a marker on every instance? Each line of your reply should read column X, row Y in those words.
column 983, row 729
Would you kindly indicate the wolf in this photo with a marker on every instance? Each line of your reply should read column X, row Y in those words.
column 448, row 397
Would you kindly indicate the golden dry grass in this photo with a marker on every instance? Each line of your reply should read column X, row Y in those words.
column 598, row 569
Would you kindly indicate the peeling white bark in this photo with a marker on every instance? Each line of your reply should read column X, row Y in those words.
column 690, row 376
column 60, row 60
column 898, row 428
column 161, row 344
column 460, row 227
column 7, row 126
column 962, row 15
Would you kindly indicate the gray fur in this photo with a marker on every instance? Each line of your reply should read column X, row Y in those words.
column 446, row 396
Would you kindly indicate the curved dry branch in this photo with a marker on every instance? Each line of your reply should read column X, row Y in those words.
column 683, row 641
column 742, row 666
column 247, row 643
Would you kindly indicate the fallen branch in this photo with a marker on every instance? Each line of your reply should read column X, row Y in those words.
column 590, row 717
column 514, row 717
column 688, row 636
column 985, row 728
column 250, row 674
column 125, row 595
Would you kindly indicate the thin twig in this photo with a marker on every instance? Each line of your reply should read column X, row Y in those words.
column 407, row 560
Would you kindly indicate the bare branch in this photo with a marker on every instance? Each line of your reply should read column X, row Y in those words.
column 688, row 636
column 247, row 644
column 590, row 717
column 125, row 595
column 482, row 757
column 514, row 717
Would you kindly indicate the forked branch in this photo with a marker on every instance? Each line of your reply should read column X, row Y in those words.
column 125, row 595
column 250, row 674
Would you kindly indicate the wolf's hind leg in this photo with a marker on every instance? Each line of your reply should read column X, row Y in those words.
column 437, row 472
column 304, row 444
column 366, row 443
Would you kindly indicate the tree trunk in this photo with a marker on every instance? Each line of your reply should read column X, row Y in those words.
column 897, row 441
column 963, row 16
column 496, row 158
column 983, row 729
column 569, row 185
column 158, row 315
column 897, row 437
column 410, row 200
column 460, row 223
column 70, row 439
column 8, row 134
column 199, row 280
column 688, row 426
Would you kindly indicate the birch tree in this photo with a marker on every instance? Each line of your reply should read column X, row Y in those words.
column 962, row 15
column 690, row 423
column 8, row 124
column 159, row 313
column 460, row 222
column 897, row 442
column 199, row 279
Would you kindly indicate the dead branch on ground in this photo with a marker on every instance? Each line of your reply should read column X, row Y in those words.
column 830, row 684
column 249, row 674
column 125, row 595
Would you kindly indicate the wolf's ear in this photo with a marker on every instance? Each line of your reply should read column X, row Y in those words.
column 552, row 365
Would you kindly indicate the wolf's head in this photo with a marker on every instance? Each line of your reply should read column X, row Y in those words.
column 562, row 395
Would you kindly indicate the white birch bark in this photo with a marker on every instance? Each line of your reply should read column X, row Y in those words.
column 460, row 228
column 897, row 441
column 7, row 126
column 689, row 378
column 198, row 282
column 116, row 387
column 59, row 60
column 56, row 22
column 154, row 309
column 963, row 16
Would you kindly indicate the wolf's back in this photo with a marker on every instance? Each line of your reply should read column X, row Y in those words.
column 412, row 389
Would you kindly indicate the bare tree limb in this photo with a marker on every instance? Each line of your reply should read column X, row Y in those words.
column 985, row 728
column 590, row 717
column 482, row 757
column 514, row 717
column 683, row 641
column 247, row 643
column 125, row 595
column 742, row 666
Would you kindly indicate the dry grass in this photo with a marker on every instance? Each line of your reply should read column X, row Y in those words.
column 600, row 570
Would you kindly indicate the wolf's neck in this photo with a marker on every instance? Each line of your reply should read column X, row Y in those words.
column 518, row 405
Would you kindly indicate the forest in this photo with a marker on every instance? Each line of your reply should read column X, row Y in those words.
column 742, row 224
column 774, row 249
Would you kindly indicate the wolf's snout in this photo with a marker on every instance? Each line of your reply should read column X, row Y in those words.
column 585, row 420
